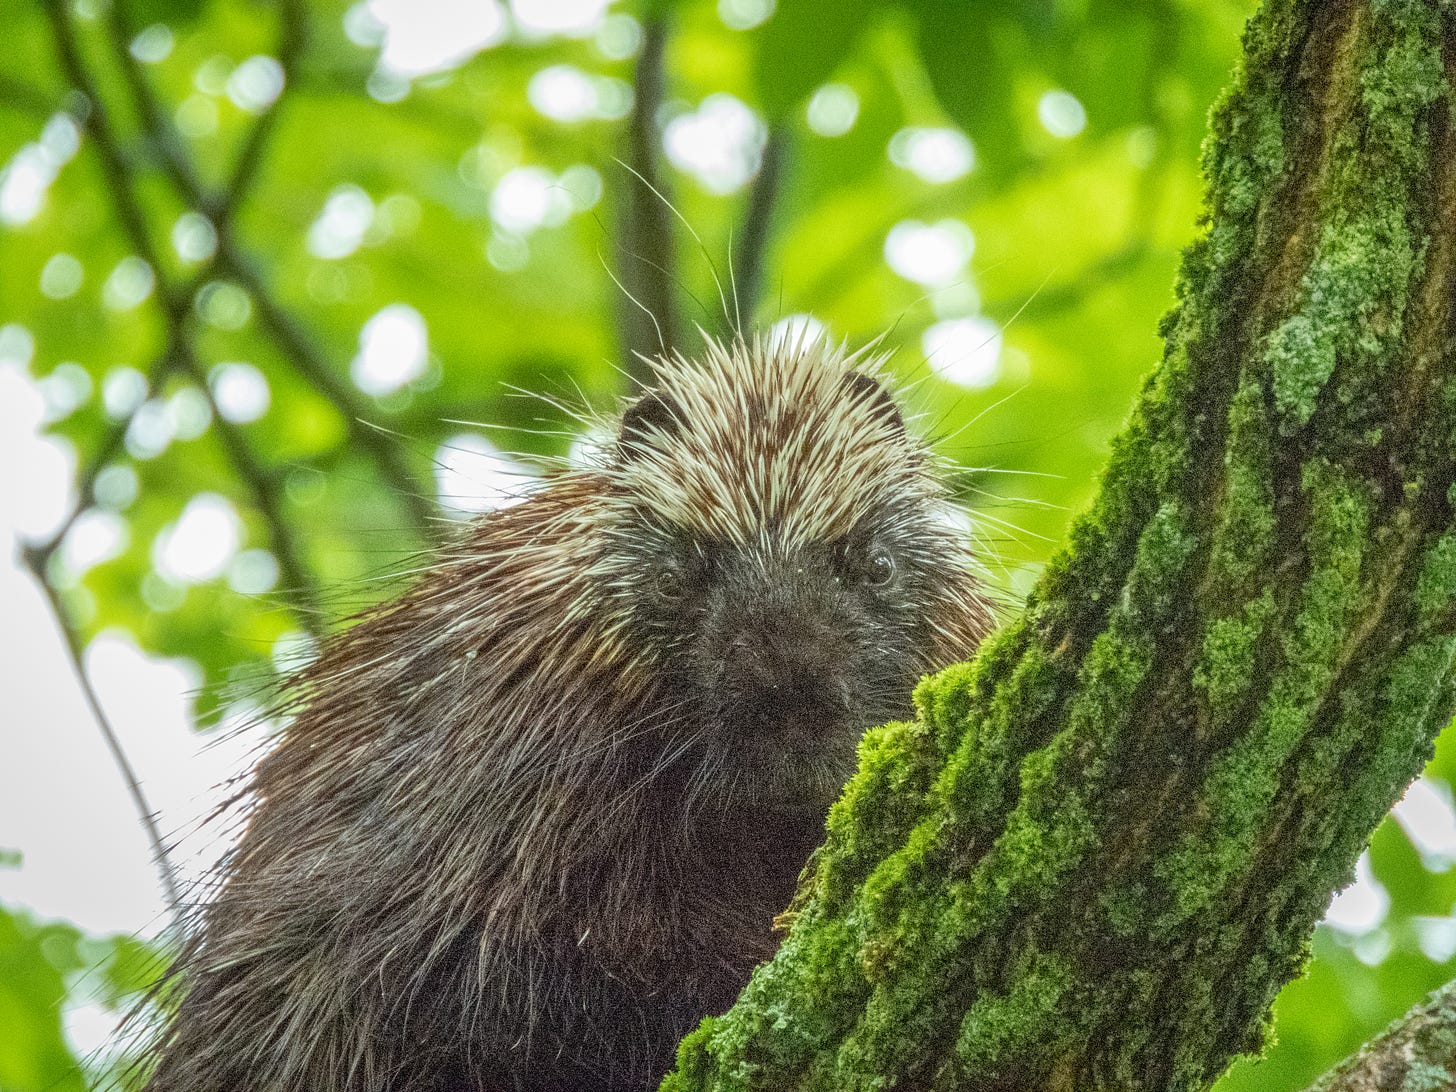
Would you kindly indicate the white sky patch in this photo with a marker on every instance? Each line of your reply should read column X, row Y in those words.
column 564, row 92
column 65, row 390
column 153, row 44
column 151, row 431
column 419, row 37
column 130, row 283
column 591, row 448
column 255, row 83
column 90, row 1030
column 339, row 229
column 1428, row 818
column 116, row 487
column 929, row 254
column 965, row 351
column 393, row 350
column 473, row 475
column 573, row 18
column 528, row 198
column 797, row 332
column 27, row 177
column 583, row 184
column 1061, row 113
column 619, row 37
column 1437, row 938
column 293, row 651
column 720, row 143
column 744, row 14
column 17, row 345
column 34, row 503
column 253, row 572
column 96, row 536
column 189, row 413
column 62, row 276
column 224, row 305
column 240, row 390
column 935, row 155
column 194, row 238
column 1362, row 906
column 833, row 110
column 123, row 389
column 200, row 543
column 62, row 803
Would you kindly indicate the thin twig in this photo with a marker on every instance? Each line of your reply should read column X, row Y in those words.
column 36, row 560
column 645, row 223
column 292, row 40
column 309, row 360
column 156, row 121
column 299, row 586
column 97, row 122
column 758, row 226
column 26, row 98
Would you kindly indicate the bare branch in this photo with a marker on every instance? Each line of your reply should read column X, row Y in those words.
column 299, row 585
column 301, row 350
column 1418, row 1050
column 311, row 362
column 292, row 40
column 36, row 560
column 758, row 226
column 645, row 251
column 97, row 122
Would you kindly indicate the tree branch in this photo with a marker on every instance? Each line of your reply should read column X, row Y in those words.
column 757, row 227
column 36, row 559
column 1417, row 1052
column 646, row 257
column 310, row 361
column 300, row 587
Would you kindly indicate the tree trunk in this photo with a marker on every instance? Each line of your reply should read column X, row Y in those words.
column 1101, row 849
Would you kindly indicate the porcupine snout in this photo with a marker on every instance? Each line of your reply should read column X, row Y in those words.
column 784, row 669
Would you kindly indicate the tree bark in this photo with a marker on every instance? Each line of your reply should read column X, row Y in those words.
column 1101, row 848
column 1416, row 1054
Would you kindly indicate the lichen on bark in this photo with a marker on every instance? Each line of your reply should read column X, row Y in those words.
column 1101, row 847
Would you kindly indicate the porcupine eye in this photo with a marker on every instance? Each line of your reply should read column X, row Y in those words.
column 670, row 583
column 867, row 567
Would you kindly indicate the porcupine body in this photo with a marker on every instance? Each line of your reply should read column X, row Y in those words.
column 532, row 821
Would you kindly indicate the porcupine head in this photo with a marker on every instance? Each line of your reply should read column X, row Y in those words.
column 533, row 820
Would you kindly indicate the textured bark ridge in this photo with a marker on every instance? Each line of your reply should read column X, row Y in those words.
column 1416, row 1054
column 1100, row 850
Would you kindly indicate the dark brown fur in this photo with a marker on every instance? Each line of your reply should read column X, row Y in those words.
column 501, row 846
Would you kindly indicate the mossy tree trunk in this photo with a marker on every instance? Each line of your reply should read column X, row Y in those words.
column 1101, row 849
column 1415, row 1054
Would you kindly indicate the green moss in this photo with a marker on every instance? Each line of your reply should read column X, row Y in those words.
column 1001, row 1032
column 1226, row 668
column 1436, row 588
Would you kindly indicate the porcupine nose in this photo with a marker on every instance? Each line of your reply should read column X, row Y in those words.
column 786, row 672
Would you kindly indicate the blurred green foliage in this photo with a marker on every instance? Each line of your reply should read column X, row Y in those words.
column 1077, row 221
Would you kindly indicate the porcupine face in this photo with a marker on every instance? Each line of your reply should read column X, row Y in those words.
column 784, row 543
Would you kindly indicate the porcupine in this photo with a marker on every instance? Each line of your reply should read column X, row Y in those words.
column 534, row 819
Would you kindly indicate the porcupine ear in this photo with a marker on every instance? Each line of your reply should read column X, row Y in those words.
column 646, row 423
column 876, row 399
